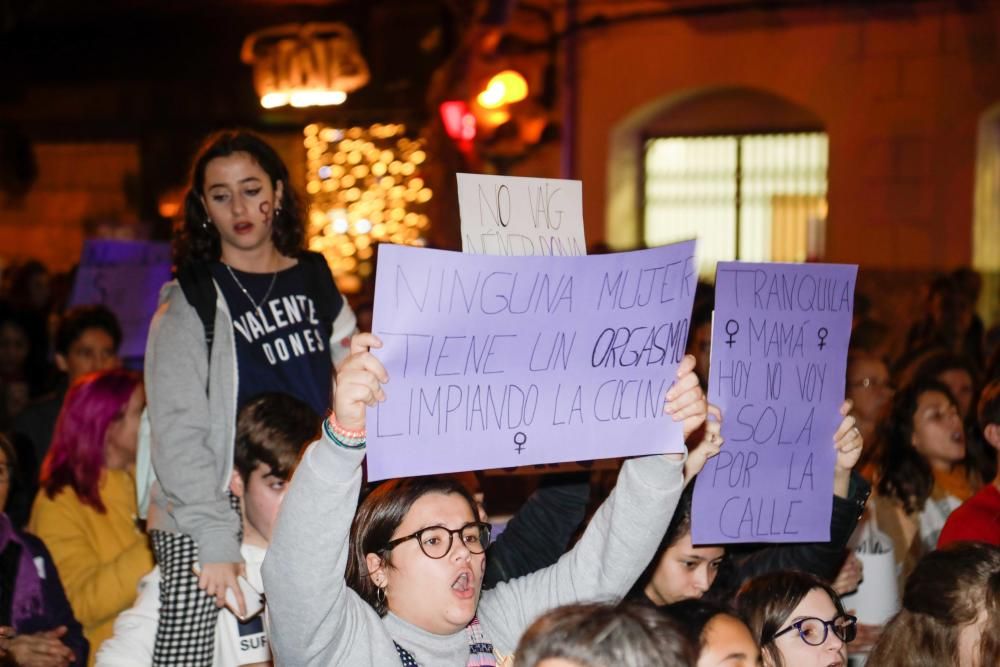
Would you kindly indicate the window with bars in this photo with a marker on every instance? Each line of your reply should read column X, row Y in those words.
column 757, row 197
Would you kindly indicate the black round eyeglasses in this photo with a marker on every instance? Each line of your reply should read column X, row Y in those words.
column 436, row 541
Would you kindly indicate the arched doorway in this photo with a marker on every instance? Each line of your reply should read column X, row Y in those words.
column 742, row 170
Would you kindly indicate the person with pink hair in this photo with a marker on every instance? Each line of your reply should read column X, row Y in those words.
column 86, row 510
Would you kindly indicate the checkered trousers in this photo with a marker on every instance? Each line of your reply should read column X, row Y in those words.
column 185, row 635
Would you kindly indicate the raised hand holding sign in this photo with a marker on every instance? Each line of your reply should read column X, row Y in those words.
column 506, row 361
column 779, row 356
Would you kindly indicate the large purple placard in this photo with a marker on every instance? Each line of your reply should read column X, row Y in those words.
column 779, row 352
column 497, row 362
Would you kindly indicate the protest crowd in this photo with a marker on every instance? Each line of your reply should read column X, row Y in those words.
column 233, row 501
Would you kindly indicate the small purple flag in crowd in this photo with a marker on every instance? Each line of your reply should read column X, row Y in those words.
column 496, row 362
column 125, row 276
column 780, row 334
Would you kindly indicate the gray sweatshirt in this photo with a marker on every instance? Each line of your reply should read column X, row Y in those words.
column 318, row 620
column 192, row 412
column 193, row 428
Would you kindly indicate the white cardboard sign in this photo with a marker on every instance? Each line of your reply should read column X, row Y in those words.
column 523, row 217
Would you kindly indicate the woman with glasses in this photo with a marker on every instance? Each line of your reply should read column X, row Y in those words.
column 798, row 620
column 869, row 387
column 414, row 559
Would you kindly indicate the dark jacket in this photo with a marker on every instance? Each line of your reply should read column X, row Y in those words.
column 539, row 534
column 57, row 610
column 37, row 421
column 32, row 435
column 23, row 483
column 823, row 559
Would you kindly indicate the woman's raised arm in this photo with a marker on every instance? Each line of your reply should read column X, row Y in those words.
column 315, row 617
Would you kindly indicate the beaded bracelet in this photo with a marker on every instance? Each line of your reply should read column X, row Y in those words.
column 339, row 439
column 342, row 430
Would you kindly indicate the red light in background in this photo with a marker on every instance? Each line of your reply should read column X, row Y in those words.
column 458, row 121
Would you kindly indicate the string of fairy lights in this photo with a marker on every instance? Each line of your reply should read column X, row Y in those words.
column 365, row 188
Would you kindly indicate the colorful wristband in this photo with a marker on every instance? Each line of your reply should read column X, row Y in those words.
column 342, row 441
column 342, row 430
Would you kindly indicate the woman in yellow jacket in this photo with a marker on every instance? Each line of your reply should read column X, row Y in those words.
column 85, row 511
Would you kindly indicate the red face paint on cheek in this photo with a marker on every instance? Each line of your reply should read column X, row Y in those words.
column 265, row 210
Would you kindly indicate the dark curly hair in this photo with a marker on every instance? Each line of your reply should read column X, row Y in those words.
column 196, row 239
column 903, row 473
column 81, row 318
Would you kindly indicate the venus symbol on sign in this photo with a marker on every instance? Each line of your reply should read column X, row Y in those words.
column 822, row 333
column 732, row 332
column 519, row 441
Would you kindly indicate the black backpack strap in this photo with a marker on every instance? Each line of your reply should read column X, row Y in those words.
column 199, row 289
column 321, row 288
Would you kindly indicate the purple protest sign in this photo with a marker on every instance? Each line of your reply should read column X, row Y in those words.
column 496, row 362
column 779, row 354
column 125, row 276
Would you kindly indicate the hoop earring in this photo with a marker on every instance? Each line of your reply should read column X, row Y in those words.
column 380, row 595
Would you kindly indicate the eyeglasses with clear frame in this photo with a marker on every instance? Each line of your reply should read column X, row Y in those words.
column 873, row 383
column 436, row 541
column 814, row 631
